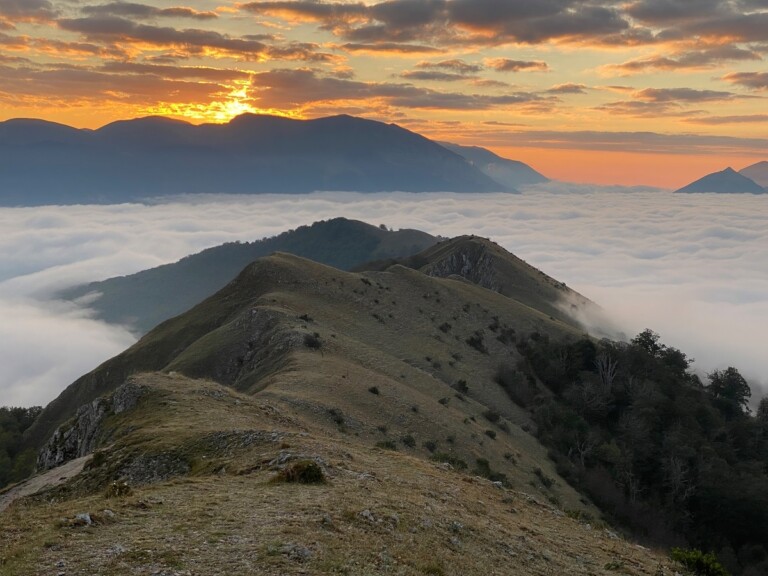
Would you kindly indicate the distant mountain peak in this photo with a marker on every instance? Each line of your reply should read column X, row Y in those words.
column 726, row 181
column 757, row 172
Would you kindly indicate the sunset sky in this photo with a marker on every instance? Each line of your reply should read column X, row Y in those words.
column 655, row 92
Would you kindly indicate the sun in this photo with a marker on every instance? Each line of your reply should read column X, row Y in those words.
column 233, row 104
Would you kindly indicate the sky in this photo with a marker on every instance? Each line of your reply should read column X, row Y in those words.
column 692, row 267
column 632, row 92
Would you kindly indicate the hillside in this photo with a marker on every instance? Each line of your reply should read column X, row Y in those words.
column 726, row 182
column 758, row 173
column 308, row 420
column 510, row 173
column 142, row 300
column 216, row 503
column 47, row 163
column 487, row 264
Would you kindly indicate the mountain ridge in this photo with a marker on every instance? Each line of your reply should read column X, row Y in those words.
column 131, row 160
column 142, row 300
column 411, row 403
column 511, row 173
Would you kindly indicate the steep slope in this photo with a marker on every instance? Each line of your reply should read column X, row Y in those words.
column 757, row 172
column 131, row 160
column 510, row 173
column 143, row 300
column 726, row 182
column 487, row 264
column 398, row 327
column 206, row 493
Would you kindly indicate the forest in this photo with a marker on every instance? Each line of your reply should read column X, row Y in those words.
column 15, row 463
column 675, row 460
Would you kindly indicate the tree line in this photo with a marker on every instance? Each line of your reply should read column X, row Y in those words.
column 677, row 460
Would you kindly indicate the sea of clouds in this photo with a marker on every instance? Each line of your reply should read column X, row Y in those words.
column 694, row 268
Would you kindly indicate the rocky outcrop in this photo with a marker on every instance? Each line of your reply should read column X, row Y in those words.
column 81, row 435
column 472, row 262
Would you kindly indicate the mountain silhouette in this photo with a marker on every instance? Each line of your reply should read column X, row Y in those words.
column 726, row 182
column 47, row 163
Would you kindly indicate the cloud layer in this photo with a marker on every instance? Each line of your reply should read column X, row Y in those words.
column 692, row 267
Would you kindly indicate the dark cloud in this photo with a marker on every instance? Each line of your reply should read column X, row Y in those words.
column 645, row 109
column 27, row 11
column 79, row 84
column 568, row 88
column 656, row 102
column 195, row 41
column 445, row 71
column 507, row 65
column 753, row 80
column 129, row 9
column 456, row 66
column 682, row 95
column 178, row 72
column 390, row 47
column 433, row 76
column 638, row 142
column 298, row 88
column 711, row 57
column 448, row 22
column 718, row 120
column 662, row 12
column 731, row 28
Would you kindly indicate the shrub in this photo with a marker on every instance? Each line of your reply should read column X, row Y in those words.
column 462, row 387
column 118, row 490
column 491, row 415
column 387, row 445
column 698, row 563
column 302, row 472
column 483, row 469
column 477, row 341
column 312, row 341
column 546, row 481
column 521, row 391
column 408, row 440
column 491, row 434
column 430, row 445
column 454, row 461
column 374, row 390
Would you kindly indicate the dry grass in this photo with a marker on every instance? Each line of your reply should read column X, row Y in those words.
column 380, row 512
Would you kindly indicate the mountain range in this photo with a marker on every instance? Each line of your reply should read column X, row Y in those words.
column 141, row 301
column 729, row 181
column 511, row 173
column 47, row 163
column 438, row 412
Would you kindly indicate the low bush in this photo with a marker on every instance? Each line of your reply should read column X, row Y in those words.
column 302, row 472
column 698, row 563
column 454, row 461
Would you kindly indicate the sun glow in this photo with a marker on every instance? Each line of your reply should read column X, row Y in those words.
column 235, row 103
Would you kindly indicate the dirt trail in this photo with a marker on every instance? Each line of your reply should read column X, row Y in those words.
column 46, row 480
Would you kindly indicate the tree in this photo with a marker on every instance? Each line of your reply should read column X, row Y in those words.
column 730, row 391
column 762, row 410
column 648, row 340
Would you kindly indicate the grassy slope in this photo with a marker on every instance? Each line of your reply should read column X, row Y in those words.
column 484, row 262
column 143, row 300
column 380, row 512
